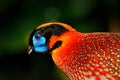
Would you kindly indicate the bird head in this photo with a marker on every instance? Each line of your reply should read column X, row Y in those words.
column 46, row 37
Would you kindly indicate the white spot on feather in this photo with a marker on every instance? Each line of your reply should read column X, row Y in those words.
column 91, row 78
column 103, row 77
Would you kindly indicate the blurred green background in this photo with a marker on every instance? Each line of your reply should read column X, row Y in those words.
column 20, row 17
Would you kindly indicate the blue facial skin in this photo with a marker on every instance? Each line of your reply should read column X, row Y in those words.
column 39, row 44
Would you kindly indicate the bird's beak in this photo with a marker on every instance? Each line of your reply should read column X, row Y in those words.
column 30, row 49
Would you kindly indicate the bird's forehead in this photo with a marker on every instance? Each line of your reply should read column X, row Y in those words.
column 50, row 23
column 59, row 23
column 43, row 25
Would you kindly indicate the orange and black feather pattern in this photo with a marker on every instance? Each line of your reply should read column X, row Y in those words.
column 86, row 56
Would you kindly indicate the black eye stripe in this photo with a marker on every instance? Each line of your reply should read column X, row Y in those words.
column 56, row 45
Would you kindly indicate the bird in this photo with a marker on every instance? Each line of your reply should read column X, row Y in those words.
column 80, row 56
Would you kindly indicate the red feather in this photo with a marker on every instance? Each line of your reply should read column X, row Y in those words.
column 94, row 56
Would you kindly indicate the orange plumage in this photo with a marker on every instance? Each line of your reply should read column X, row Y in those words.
column 86, row 56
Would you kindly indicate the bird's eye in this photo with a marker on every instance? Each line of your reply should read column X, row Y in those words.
column 37, row 36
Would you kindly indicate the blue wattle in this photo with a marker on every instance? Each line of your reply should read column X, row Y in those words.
column 40, row 48
column 40, row 44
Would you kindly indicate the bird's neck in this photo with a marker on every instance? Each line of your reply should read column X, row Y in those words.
column 63, row 55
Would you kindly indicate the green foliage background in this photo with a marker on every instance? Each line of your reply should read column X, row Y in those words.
column 20, row 17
